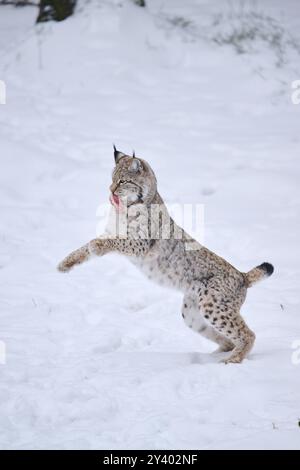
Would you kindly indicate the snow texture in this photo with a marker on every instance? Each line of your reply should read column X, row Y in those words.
column 100, row 358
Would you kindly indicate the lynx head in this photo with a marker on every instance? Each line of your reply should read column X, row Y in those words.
column 133, row 181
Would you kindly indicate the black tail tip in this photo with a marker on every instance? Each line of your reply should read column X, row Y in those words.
column 268, row 268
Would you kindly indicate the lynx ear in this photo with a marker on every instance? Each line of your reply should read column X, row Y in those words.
column 136, row 165
column 118, row 155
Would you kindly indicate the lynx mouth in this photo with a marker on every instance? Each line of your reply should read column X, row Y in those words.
column 120, row 205
column 115, row 201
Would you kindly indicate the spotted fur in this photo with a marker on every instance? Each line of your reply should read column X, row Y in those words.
column 213, row 289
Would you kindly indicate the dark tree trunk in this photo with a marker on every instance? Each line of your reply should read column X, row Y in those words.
column 55, row 10
column 18, row 3
column 140, row 3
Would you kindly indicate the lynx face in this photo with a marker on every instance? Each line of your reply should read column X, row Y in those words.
column 133, row 181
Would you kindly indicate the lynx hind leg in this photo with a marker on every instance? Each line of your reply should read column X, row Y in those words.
column 224, row 317
column 243, row 339
column 194, row 319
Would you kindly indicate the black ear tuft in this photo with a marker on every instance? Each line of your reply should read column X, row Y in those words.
column 115, row 153
column 118, row 155
column 133, row 154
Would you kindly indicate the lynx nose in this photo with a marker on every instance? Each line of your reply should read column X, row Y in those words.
column 113, row 187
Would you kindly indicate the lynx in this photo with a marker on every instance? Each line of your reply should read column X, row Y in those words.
column 213, row 289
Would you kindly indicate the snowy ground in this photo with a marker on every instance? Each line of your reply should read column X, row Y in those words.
column 100, row 358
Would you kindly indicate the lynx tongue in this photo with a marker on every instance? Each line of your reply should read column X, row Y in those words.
column 115, row 200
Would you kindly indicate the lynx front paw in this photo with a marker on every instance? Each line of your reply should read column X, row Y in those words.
column 69, row 262
column 64, row 267
column 76, row 257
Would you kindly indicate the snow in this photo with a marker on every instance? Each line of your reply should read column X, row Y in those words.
column 100, row 358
